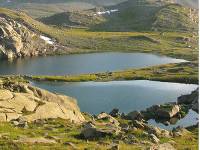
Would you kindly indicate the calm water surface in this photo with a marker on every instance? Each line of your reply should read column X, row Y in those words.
column 96, row 97
column 82, row 63
column 192, row 118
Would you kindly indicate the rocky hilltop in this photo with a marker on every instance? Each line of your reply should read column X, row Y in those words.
column 22, row 101
column 17, row 40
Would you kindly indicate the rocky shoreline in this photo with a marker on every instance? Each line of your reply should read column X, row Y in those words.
column 23, row 105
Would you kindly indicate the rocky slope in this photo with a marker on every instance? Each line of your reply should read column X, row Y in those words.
column 17, row 40
column 22, row 101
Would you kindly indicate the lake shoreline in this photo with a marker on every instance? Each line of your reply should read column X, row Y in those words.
column 181, row 73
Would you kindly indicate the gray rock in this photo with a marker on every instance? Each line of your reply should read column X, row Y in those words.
column 165, row 111
column 135, row 115
column 105, row 116
column 154, row 138
column 89, row 125
column 125, row 127
column 94, row 133
column 114, row 112
column 138, row 124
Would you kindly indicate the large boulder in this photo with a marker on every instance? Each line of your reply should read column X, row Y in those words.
column 135, row 115
column 115, row 112
column 32, row 103
column 95, row 133
column 165, row 111
column 98, row 130
column 107, row 117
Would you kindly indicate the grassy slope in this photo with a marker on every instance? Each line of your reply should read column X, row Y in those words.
column 175, row 18
column 67, row 132
column 132, row 16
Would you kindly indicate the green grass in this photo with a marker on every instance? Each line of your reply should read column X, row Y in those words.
column 67, row 132
column 187, row 73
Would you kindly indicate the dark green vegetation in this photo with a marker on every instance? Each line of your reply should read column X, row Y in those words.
column 181, row 73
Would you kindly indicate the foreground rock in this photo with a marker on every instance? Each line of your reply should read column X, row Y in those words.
column 165, row 111
column 104, row 125
column 31, row 103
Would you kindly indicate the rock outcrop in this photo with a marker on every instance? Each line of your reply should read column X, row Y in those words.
column 31, row 103
column 17, row 40
column 190, row 99
column 165, row 111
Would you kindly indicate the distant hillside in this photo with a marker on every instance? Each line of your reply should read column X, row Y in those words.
column 73, row 19
column 43, row 8
column 176, row 17
column 131, row 16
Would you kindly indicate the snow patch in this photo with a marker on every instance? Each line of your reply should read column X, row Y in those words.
column 106, row 12
column 47, row 39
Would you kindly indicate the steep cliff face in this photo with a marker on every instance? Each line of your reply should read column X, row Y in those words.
column 17, row 40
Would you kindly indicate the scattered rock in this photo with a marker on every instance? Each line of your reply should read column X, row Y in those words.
column 38, row 140
column 135, row 115
column 94, row 133
column 114, row 112
column 138, row 124
column 154, row 138
column 89, row 125
column 164, row 111
column 105, row 116
column 20, row 122
column 125, row 127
